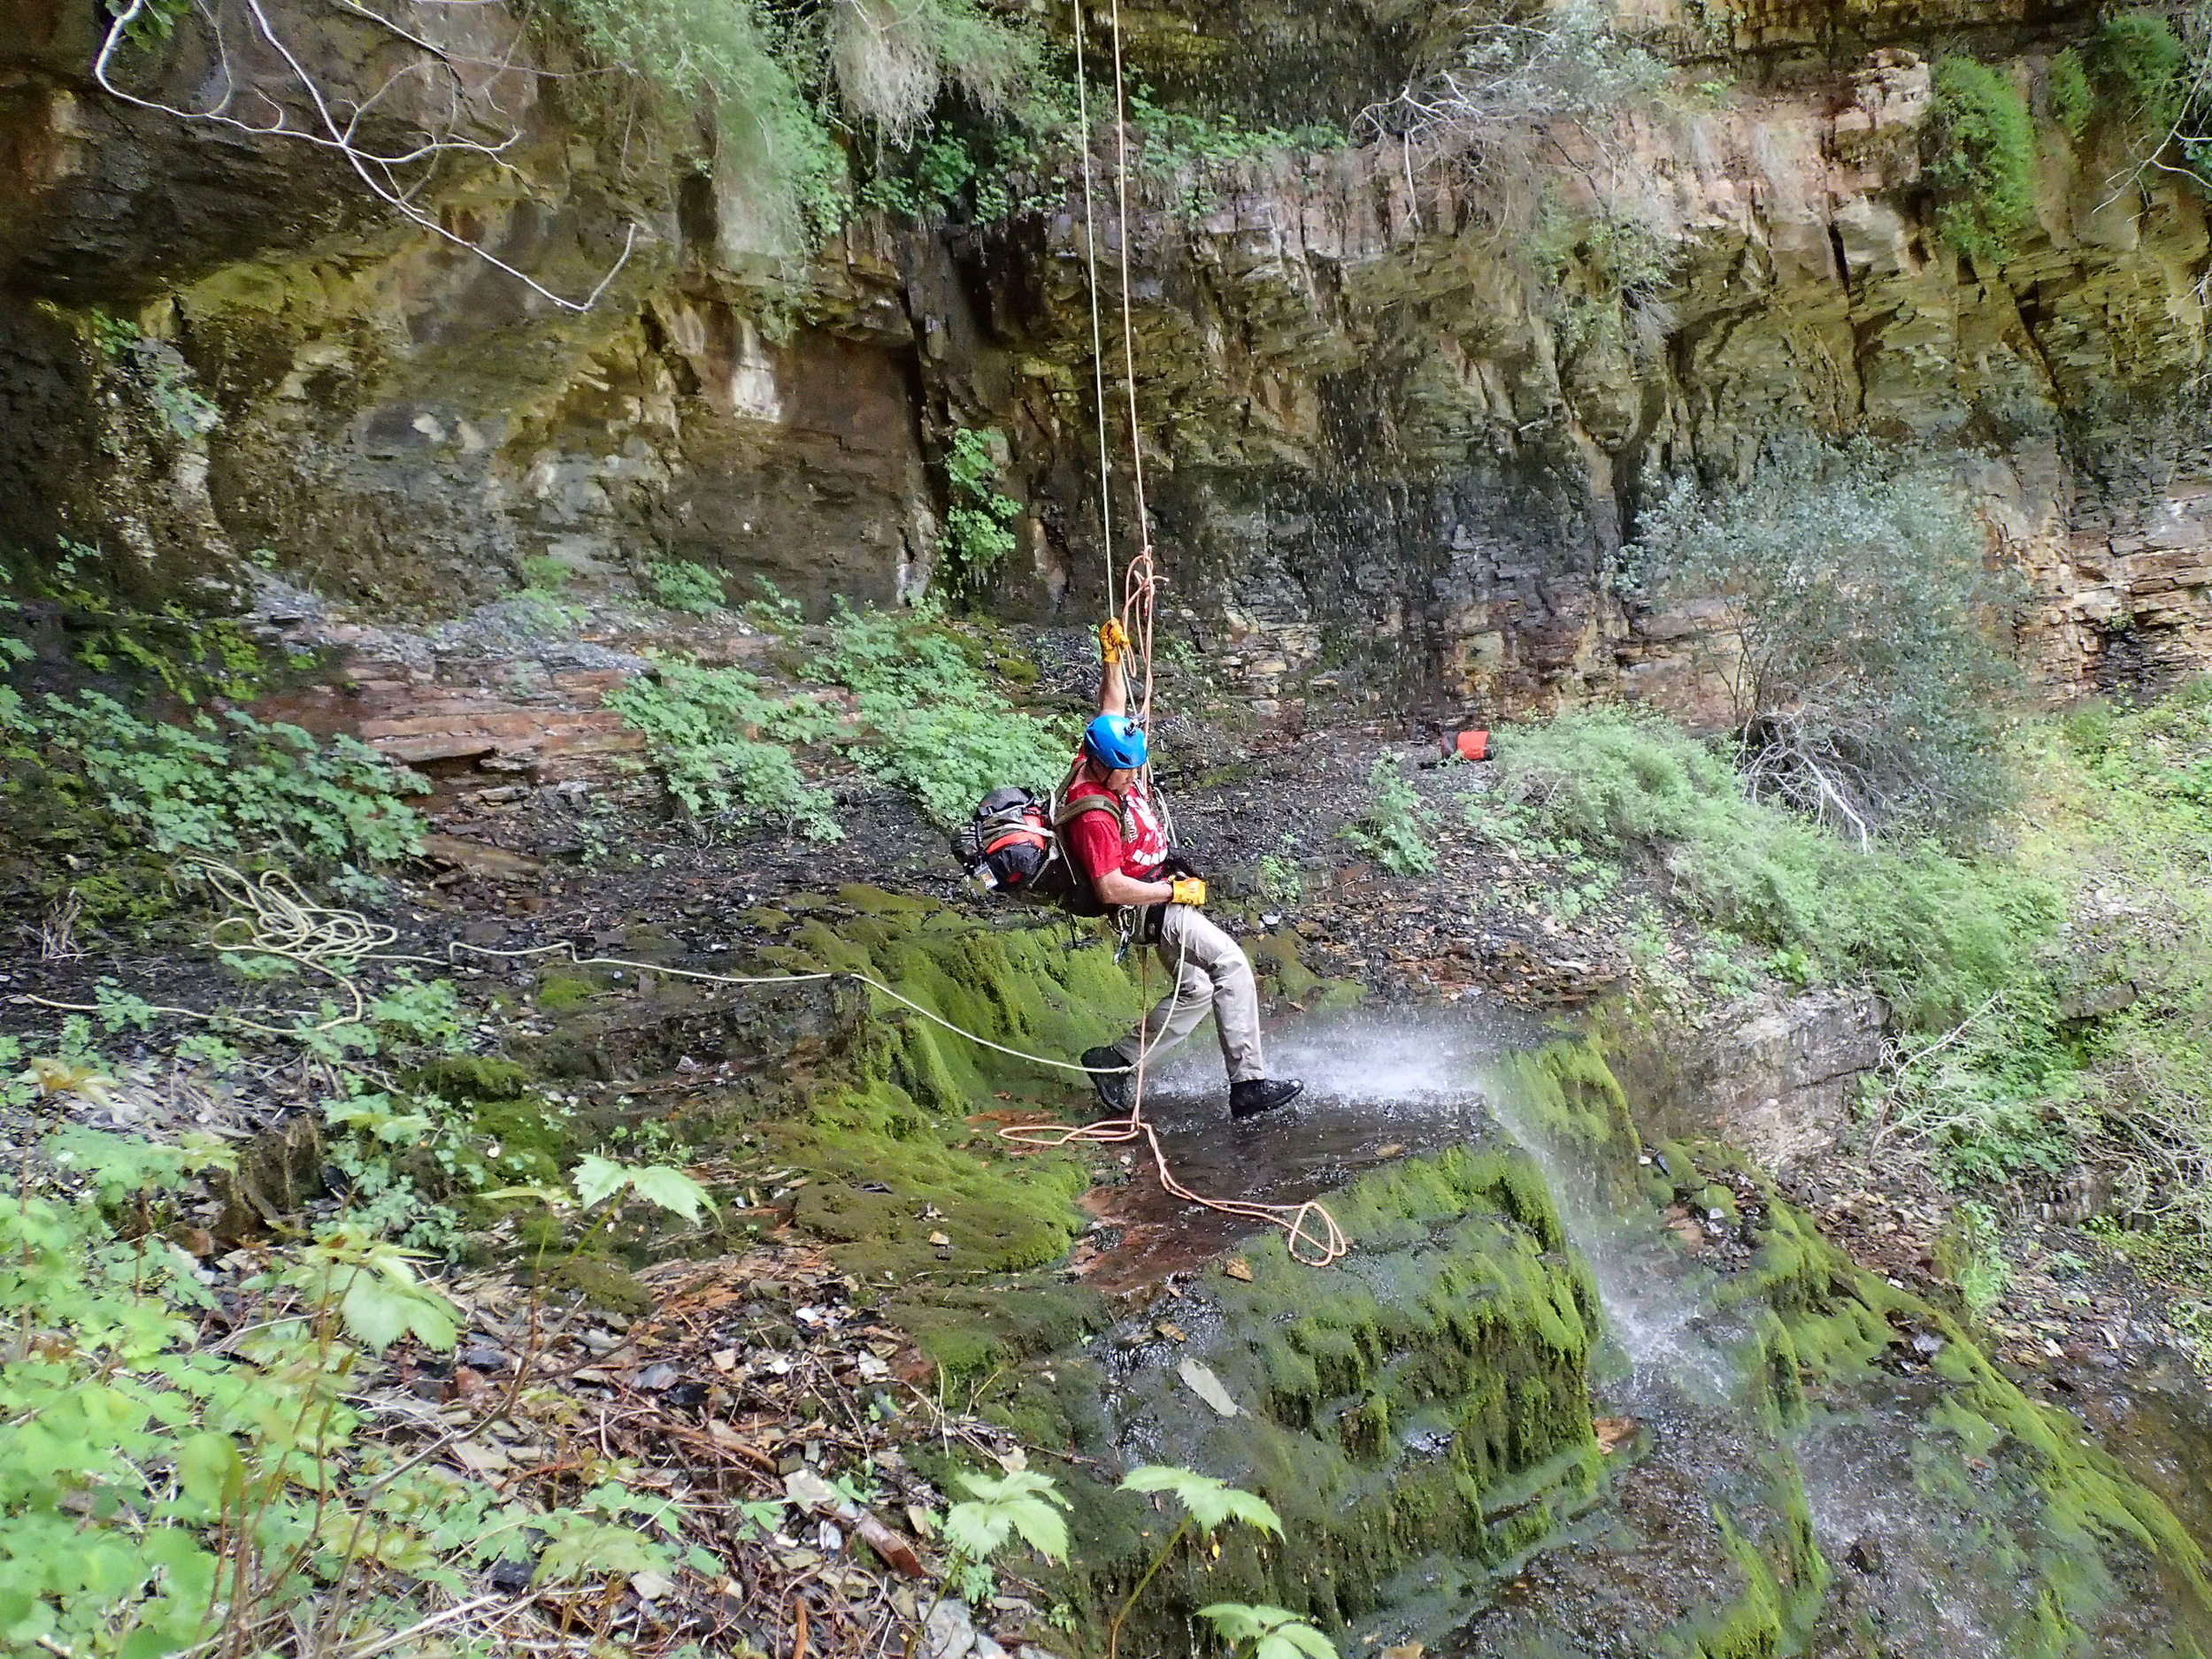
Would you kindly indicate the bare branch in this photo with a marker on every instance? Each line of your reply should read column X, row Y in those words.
column 337, row 122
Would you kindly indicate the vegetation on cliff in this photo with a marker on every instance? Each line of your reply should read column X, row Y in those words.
column 1863, row 637
column 1984, row 165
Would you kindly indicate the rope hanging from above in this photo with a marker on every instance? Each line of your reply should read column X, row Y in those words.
column 1311, row 1234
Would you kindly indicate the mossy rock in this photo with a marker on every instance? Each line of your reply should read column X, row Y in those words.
column 1022, row 986
column 1274, row 958
column 534, row 1145
column 558, row 993
column 884, row 1183
column 1425, row 1395
column 604, row 1286
column 891, row 1158
column 971, row 1332
column 2052, row 1535
column 470, row 1077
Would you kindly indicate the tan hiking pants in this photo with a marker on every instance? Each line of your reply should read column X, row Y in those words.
column 1215, row 978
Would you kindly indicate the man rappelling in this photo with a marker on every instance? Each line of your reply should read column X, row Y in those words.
column 1118, row 843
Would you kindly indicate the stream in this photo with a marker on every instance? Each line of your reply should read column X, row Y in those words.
column 1917, row 1504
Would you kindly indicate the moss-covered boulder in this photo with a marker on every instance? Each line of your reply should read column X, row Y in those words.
column 1423, row 1397
column 2032, row 1529
column 907, row 1176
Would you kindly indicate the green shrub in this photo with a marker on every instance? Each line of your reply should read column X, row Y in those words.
column 1863, row 640
column 2005, row 1096
column 721, row 58
column 682, row 585
column 891, row 59
column 2071, row 100
column 2141, row 69
column 1393, row 830
column 1936, row 935
column 231, row 789
column 762, row 74
column 1973, row 1254
column 543, row 573
column 1985, row 163
column 713, row 735
column 976, row 514
column 931, row 720
column 163, row 1490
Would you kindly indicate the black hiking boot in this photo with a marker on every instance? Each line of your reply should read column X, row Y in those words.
column 1255, row 1095
column 1109, row 1072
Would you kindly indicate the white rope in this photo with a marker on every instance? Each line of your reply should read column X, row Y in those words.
column 1098, row 334
column 271, row 916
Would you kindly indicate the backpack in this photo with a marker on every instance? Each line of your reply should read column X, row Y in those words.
column 1012, row 846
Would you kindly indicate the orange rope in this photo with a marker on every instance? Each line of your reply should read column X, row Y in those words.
column 1311, row 1234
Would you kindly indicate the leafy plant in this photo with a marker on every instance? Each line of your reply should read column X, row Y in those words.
column 1985, row 163
column 890, row 61
column 1602, row 276
column 1270, row 1632
column 765, row 76
column 712, row 733
column 157, row 1495
column 725, row 59
column 929, row 718
column 598, row 1179
column 2073, row 100
column 541, row 573
column 1936, row 933
column 1208, row 1504
column 227, row 789
column 2142, row 70
column 1020, row 1504
column 1859, row 633
column 682, row 585
column 1281, row 882
column 1977, row 1261
column 978, row 511
column 1393, row 830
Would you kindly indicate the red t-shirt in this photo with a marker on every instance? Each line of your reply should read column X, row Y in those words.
column 1095, row 842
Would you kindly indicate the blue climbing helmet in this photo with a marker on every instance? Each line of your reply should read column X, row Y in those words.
column 1115, row 741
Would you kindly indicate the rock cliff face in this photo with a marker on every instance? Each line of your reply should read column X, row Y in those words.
column 1377, row 463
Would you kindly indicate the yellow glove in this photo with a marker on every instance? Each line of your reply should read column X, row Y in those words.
column 1113, row 640
column 1188, row 890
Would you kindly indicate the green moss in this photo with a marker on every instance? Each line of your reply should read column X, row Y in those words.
column 532, row 1146
column 892, row 1160
column 1022, row 986
column 472, row 1077
column 604, row 1286
column 1782, row 1576
column 1281, row 974
column 559, row 992
column 2141, row 68
column 2056, row 1511
column 1565, row 1098
column 2071, row 100
column 969, row 1331
column 1425, row 1395
column 888, row 1180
